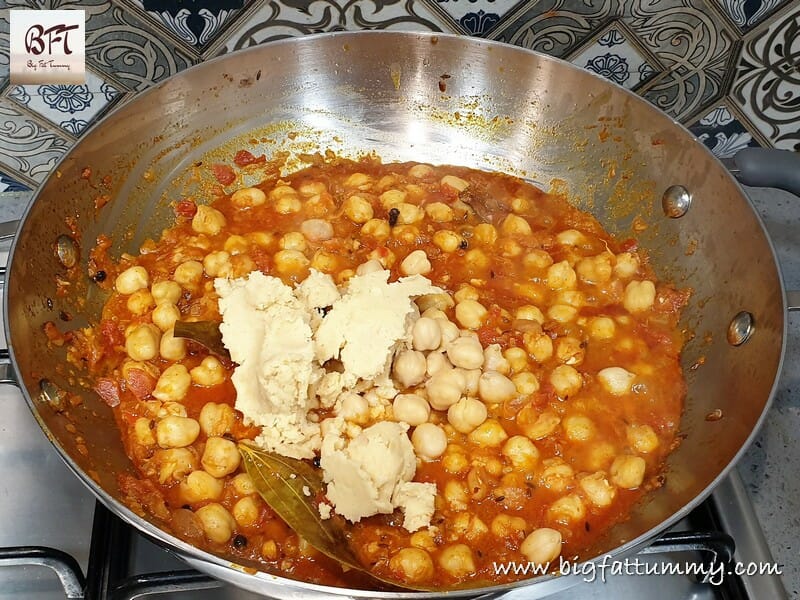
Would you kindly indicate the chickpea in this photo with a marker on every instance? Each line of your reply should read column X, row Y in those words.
column 392, row 198
column 602, row 328
column 489, row 434
column 628, row 471
column 208, row 220
column 537, row 260
column 208, row 373
column 173, row 385
column 217, row 264
column 294, row 240
column 447, row 241
column 578, row 428
column 165, row 315
column 626, row 265
column 436, row 362
column 642, row 438
column 529, row 313
column 287, row 261
column 595, row 269
column 166, row 292
column 616, row 380
column 132, row 280
column 188, row 273
column 426, row 334
column 454, row 459
column 571, row 237
column 248, row 197
column 441, row 301
column 429, row 441
column 220, row 457
column 377, row 229
column 235, row 244
column 421, row 171
column 600, row 456
column 537, row 426
column 413, row 565
column 466, row 414
column 316, row 230
column 569, row 351
column 411, row 408
column 217, row 522
column 141, row 344
column 457, row 560
column 563, row 313
column 409, row 368
column 409, row 213
column 416, row 263
column 244, row 485
column 639, row 296
column 448, row 332
column 439, row 212
column 495, row 388
column 354, row 408
column 556, row 475
column 445, row 388
column 560, row 276
column 517, row 359
column 142, row 432
column 454, row 182
column 465, row 352
column 216, row 419
column 493, row 360
column 470, row 314
column 288, row 204
column 597, row 489
column 171, row 347
column 522, row 453
column 505, row 526
column 174, row 463
column 358, row 210
column 140, row 302
column 485, row 233
column 466, row 525
column 526, row 383
column 509, row 248
column 513, row 225
column 176, row 432
column 199, row 486
column 542, row 546
column 245, row 511
column 567, row 509
column 269, row 550
column 539, row 345
column 566, row 381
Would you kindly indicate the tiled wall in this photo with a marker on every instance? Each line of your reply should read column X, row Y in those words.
column 729, row 69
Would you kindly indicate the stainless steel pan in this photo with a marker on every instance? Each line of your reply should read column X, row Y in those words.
column 503, row 108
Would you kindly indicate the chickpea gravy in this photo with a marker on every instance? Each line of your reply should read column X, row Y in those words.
column 537, row 395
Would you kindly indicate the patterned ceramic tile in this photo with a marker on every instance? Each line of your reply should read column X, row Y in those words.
column 745, row 14
column 685, row 35
column 474, row 17
column 275, row 20
column 198, row 23
column 9, row 184
column 26, row 145
column 72, row 107
column 723, row 131
column 4, row 47
column 767, row 85
column 121, row 44
column 616, row 55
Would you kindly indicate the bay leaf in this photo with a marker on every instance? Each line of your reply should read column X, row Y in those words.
column 205, row 333
column 282, row 482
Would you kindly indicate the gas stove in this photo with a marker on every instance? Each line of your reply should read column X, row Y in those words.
column 56, row 541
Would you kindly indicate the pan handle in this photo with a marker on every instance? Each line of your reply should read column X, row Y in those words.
column 8, row 230
column 768, row 167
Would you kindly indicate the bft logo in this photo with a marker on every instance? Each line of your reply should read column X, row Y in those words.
column 38, row 39
column 48, row 46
